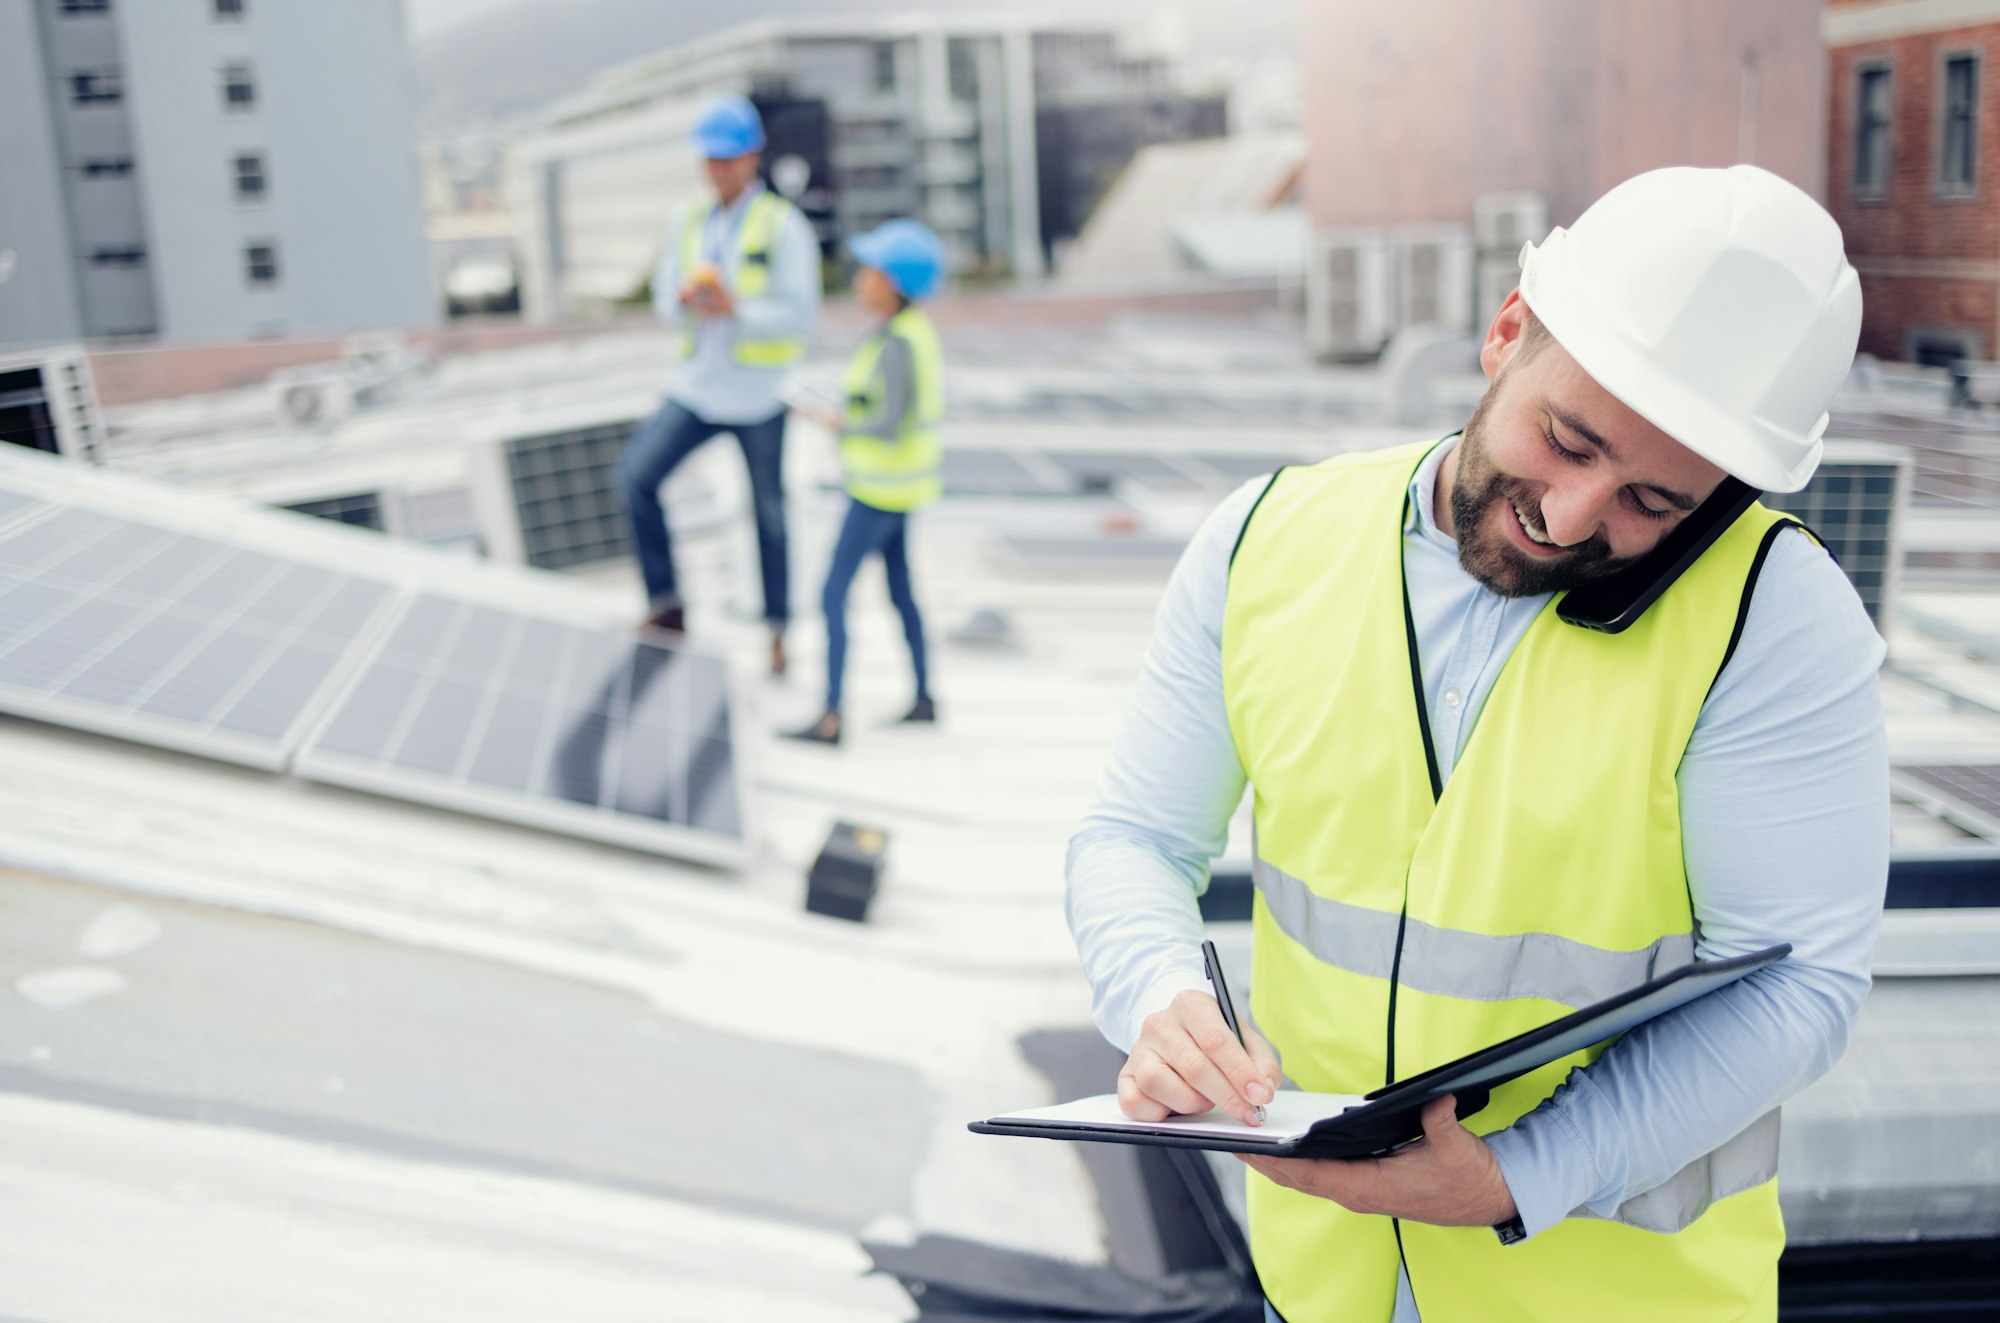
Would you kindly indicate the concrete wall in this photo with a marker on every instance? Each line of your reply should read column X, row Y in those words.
column 1929, row 260
column 38, row 299
column 335, row 122
column 1413, row 109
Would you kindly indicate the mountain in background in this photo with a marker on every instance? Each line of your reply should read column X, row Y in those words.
column 505, row 64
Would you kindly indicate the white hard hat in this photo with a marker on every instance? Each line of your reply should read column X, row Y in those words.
column 1717, row 304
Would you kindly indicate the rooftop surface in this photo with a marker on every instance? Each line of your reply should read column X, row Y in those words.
column 272, row 1039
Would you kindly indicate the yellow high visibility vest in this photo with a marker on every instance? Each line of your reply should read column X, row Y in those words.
column 1396, row 929
column 903, row 474
column 756, row 237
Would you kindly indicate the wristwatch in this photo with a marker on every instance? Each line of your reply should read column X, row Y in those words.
column 1511, row 1232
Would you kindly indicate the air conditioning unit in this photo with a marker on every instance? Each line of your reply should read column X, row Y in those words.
column 1349, row 295
column 1856, row 502
column 48, row 401
column 1494, row 278
column 1433, row 274
column 1502, row 222
column 311, row 398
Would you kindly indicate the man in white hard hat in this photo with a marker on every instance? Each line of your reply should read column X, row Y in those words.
column 741, row 279
column 1473, row 816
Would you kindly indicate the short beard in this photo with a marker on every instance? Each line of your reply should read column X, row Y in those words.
column 1488, row 557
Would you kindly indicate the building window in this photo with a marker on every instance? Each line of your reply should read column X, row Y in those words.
column 239, row 89
column 250, row 177
column 229, row 11
column 83, row 6
column 962, row 70
column 96, row 87
column 885, row 66
column 1871, row 130
column 260, row 263
column 1958, row 126
column 118, row 256
column 107, row 167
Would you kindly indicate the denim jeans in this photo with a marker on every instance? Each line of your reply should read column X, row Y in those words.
column 661, row 443
column 867, row 529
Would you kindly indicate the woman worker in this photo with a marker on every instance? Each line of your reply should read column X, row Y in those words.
column 889, row 447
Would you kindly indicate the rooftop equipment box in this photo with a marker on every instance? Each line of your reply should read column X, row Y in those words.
column 844, row 878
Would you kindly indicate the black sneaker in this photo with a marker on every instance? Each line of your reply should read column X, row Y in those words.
column 824, row 731
column 924, row 713
column 672, row 619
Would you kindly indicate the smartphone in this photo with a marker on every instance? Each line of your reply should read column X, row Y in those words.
column 1611, row 605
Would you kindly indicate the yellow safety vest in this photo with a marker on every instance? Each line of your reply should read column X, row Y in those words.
column 748, row 277
column 1396, row 929
column 903, row 474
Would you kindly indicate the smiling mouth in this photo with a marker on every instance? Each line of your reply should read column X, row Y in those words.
column 1534, row 534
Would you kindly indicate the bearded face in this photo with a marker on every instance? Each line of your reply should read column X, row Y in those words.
column 1483, row 496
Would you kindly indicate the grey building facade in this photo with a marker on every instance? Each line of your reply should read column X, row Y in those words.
column 207, row 169
column 936, row 118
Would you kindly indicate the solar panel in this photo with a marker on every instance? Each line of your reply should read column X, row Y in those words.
column 1853, row 502
column 1095, row 467
column 1031, row 554
column 1967, row 795
column 595, row 732
column 148, row 634
column 15, row 503
column 993, row 473
column 567, row 496
column 1241, row 467
column 360, row 509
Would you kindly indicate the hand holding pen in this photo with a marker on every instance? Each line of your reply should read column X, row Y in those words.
column 1212, row 966
column 1189, row 1059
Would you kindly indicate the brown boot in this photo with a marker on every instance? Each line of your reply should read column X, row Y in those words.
column 778, row 659
column 670, row 619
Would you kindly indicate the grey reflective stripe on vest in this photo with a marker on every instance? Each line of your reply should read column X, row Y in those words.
column 1451, row 963
column 1744, row 1163
column 1477, row 967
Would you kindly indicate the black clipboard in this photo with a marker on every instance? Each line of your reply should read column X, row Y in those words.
column 1390, row 1117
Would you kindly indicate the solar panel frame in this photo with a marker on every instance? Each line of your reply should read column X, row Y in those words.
column 1967, row 795
column 177, row 692
column 436, row 711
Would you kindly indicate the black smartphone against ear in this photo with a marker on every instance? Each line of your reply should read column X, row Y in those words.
column 1611, row 605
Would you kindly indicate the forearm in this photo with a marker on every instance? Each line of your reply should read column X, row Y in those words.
column 1133, row 912
column 1140, row 859
column 1669, row 1093
column 1785, row 833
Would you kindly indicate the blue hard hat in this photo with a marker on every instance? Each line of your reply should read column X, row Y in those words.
column 905, row 251
column 729, row 127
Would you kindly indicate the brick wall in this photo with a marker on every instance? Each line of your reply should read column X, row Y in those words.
column 1894, row 307
column 1927, row 261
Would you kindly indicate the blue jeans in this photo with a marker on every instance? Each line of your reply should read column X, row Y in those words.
column 661, row 443
column 867, row 529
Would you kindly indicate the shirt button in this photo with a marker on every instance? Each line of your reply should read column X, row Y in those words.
column 1453, row 699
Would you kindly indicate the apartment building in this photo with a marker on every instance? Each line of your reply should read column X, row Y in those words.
column 207, row 169
column 1911, row 171
column 1444, row 134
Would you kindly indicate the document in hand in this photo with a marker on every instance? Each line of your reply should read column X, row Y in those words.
column 1335, row 1125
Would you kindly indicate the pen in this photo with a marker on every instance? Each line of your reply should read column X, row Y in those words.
column 1213, row 968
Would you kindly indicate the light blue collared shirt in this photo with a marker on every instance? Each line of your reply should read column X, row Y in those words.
column 712, row 385
column 1785, row 829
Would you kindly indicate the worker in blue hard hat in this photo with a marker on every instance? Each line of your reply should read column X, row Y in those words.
column 740, row 279
column 893, row 393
